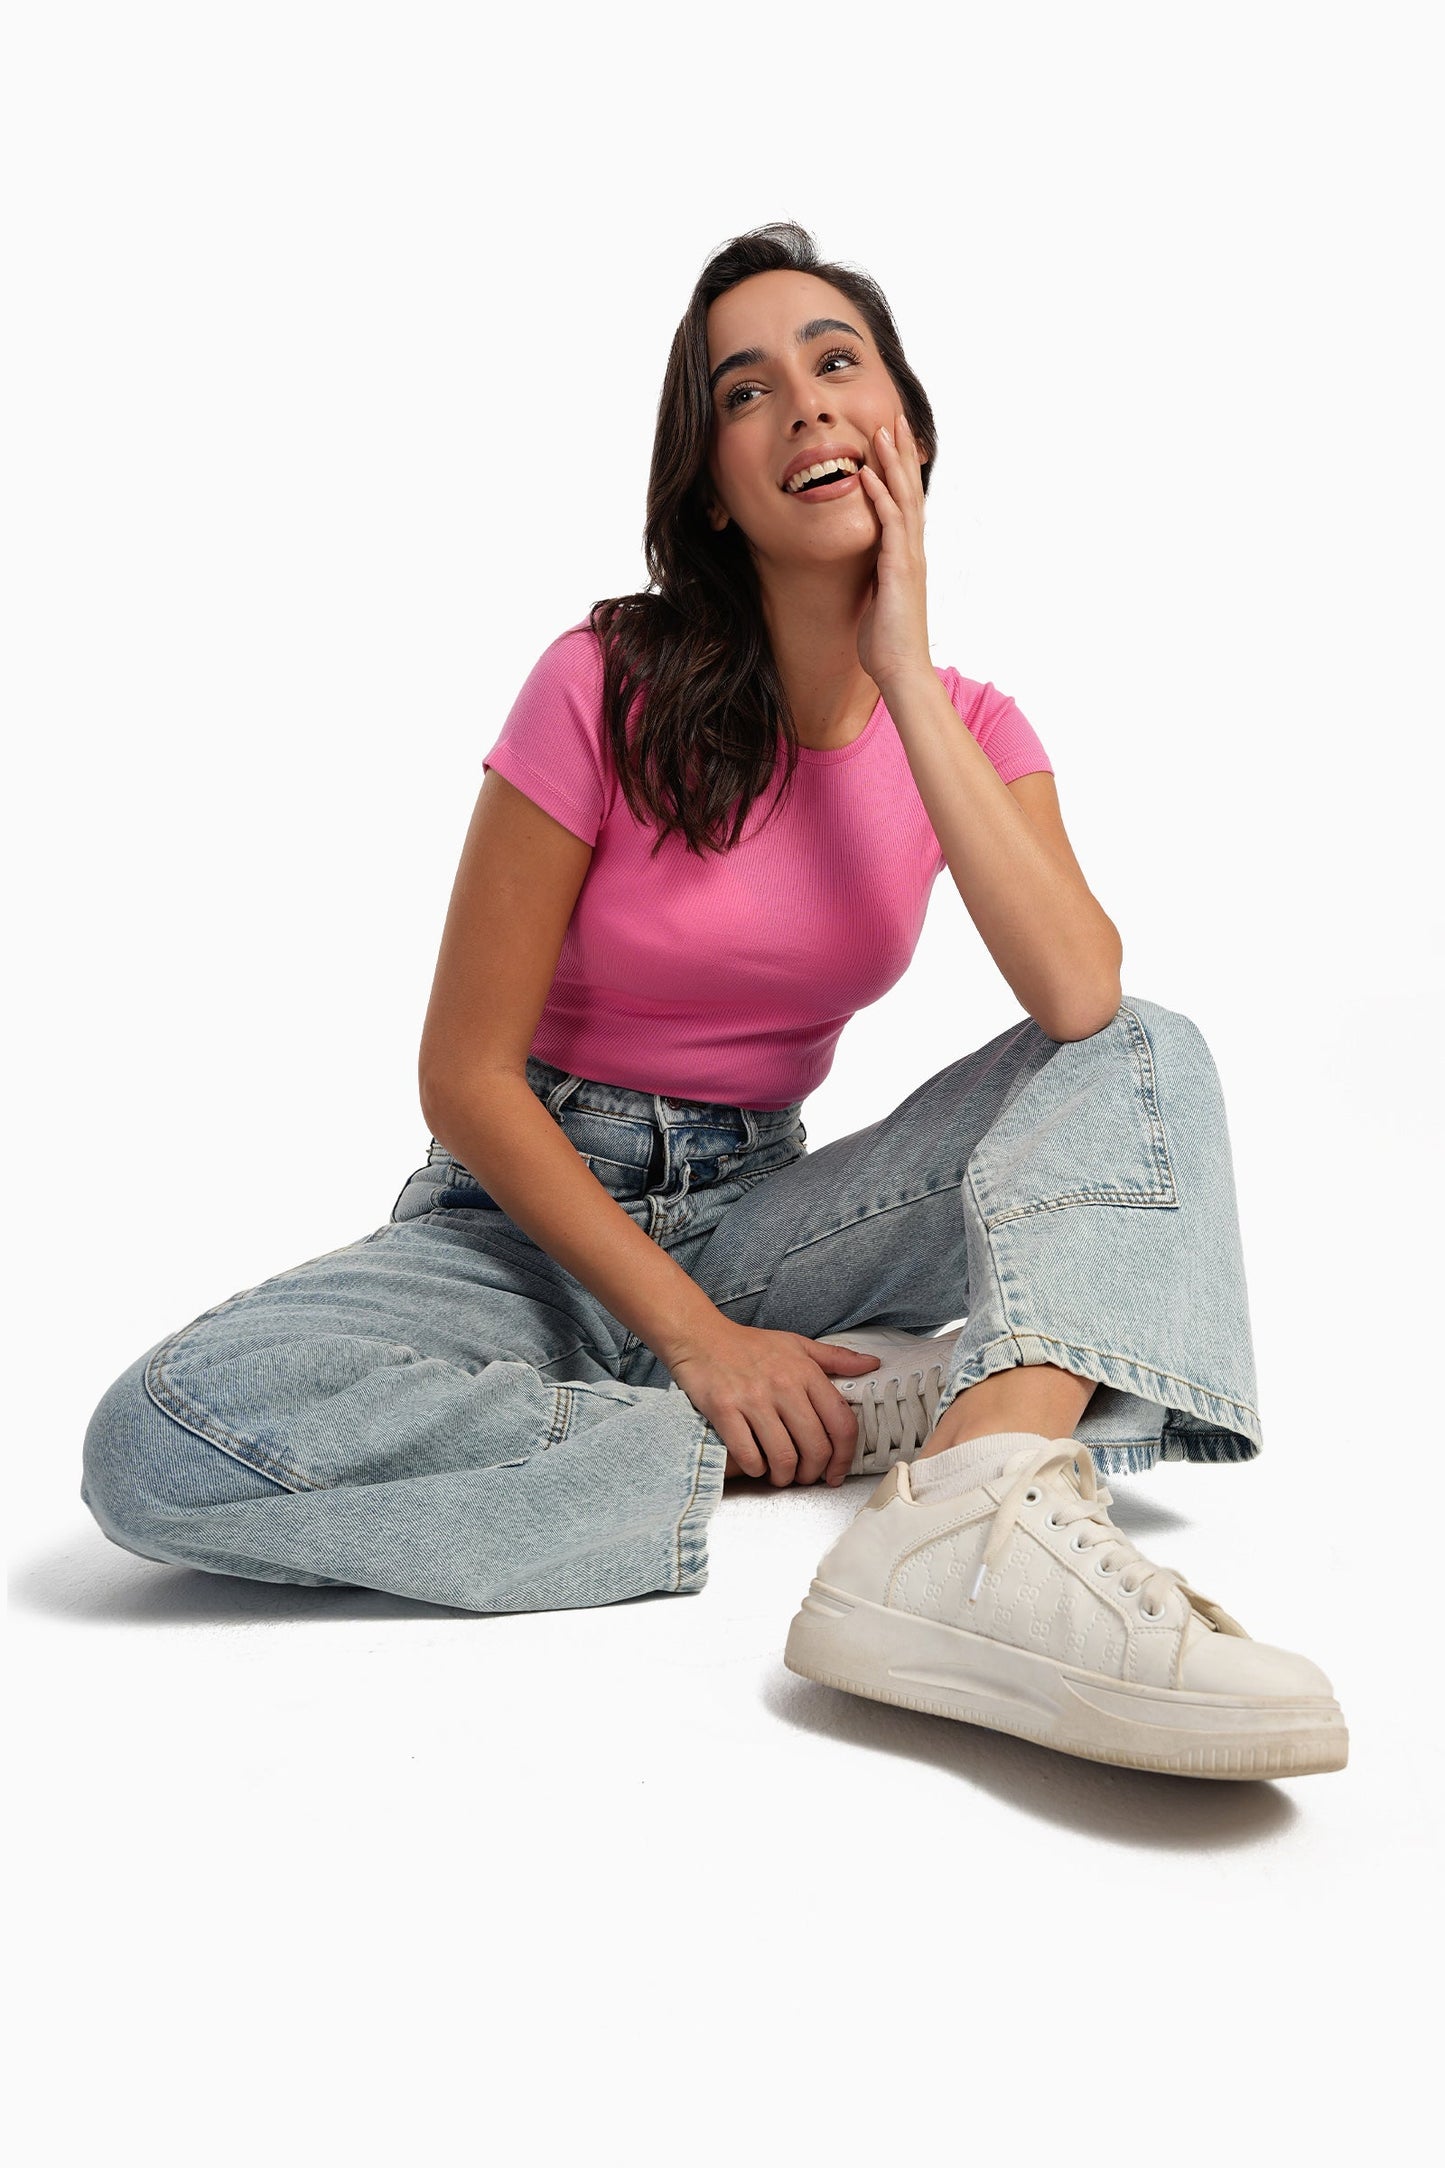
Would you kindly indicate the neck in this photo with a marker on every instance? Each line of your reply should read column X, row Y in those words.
column 812, row 623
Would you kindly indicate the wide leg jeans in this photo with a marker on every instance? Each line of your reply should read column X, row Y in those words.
column 440, row 1410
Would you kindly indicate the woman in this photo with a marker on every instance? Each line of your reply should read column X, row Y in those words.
column 706, row 837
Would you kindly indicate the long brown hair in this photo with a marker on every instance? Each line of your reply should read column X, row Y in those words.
column 706, row 740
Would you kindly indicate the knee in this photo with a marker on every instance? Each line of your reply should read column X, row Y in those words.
column 1176, row 1046
column 141, row 1468
column 1165, row 1023
column 122, row 1441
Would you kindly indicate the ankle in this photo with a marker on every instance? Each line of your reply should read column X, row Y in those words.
column 1038, row 1397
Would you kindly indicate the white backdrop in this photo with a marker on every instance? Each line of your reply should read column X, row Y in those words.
column 335, row 345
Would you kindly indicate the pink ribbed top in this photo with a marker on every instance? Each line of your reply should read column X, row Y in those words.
column 731, row 977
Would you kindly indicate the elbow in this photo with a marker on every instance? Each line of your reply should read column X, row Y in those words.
column 1076, row 1029
column 448, row 1098
column 1080, row 1018
column 438, row 1096
column 430, row 1095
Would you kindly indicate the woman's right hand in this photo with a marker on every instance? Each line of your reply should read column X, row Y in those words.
column 767, row 1396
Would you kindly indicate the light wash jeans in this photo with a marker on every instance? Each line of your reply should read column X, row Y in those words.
column 441, row 1410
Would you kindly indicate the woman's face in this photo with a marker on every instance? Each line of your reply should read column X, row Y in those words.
column 793, row 395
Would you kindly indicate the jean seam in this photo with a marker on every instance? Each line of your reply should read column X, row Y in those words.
column 564, row 1403
column 1164, row 1195
column 1082, row 1350
column 693, row 1511
column 859, row 1219
column 202, row 1423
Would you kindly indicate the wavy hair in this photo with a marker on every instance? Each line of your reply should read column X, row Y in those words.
column 705, row 744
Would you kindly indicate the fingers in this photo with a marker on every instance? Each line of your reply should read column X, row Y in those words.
column 799, row 1437
column 840, row 1420
column 830, row 1355
column 773, row 1436
column 902, row 471
column 908, row 449
column 786, row 1420
column 878, row 495
column 813, row 1435
column 740, row 1442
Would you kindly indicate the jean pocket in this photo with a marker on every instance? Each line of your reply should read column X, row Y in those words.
column 442, row 1185
column 1086, row 1128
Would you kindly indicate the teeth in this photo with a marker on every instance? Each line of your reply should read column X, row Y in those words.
column 795, row 482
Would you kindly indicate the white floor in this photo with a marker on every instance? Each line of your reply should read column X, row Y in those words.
column 305, row 298
column 322, row 1874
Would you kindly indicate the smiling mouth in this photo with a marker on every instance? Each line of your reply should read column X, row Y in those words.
column 823, row 482
column 832, row 485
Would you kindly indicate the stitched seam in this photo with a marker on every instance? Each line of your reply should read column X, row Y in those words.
column 1084, row 1196
column 564, row 1404
column 1144, row 1056
column 972, row 1519
column 861, row 1219
column 559, row 1095
column 171, row 1401
column 575, row 1105
column 1171, row 1377
column 687, row 1509
column 580, row 1347
column 998, row 1286
column 1165, row 1191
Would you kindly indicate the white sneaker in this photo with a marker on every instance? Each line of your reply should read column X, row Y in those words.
column 897, row 1403
column 1021, row 1606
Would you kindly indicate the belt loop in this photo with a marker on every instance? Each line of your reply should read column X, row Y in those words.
column 659, row 1120
column 561, row 1093
column 750, row 1128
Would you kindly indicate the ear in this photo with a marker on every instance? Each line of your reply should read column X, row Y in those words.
column 717, row 517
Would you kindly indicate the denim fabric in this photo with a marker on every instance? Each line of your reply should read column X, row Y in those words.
column 441, row 1410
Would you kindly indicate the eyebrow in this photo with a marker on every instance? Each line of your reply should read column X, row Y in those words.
column 751, row 357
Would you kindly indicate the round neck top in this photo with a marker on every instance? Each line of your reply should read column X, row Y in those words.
column 841, row 752
column 730, row 976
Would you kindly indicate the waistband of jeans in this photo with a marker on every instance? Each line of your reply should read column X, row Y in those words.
column 562, row 1087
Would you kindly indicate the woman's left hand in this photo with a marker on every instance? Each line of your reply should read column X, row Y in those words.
column 893, row 630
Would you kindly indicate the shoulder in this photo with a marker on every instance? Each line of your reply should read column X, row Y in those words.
column 999, row 724
column 553, row 744
column 575, row 653
column 978, row 700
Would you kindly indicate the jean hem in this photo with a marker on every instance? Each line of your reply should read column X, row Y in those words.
column 1196, row 1424
column 691, row 1544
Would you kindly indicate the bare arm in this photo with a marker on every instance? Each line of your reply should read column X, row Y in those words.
column 516, row 887
column 1013, row 865
column 768, row 1394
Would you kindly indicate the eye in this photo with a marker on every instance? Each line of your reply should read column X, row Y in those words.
column 834, row 353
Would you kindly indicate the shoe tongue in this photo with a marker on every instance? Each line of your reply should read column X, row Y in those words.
column 1016, row 1460
column 1027, row 1452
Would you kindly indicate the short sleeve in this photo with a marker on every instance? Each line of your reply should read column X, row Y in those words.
column 1000, row 726
column 553, row 746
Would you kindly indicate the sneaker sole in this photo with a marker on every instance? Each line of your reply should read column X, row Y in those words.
column 920, row 1663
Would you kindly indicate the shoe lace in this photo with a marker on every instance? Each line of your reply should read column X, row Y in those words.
column 898, row 1410
column 1066, row 1469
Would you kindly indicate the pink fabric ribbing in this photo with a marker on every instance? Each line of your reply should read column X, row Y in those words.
column 731, row 977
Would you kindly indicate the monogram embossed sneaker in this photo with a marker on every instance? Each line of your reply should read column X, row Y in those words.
column 1018, row 1604
column 897, row 1402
